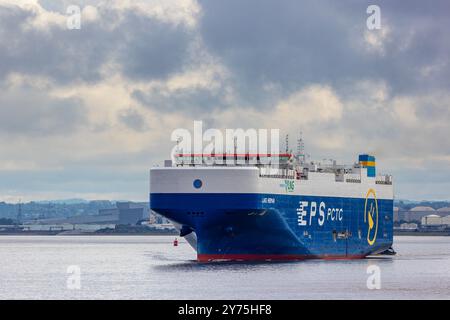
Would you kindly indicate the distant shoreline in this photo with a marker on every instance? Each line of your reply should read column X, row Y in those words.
column 421, row 234
column 59, row 233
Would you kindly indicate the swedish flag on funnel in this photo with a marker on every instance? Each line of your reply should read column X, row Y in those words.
column 368, row 161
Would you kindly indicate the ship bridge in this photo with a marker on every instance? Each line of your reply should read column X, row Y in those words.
column 287, row 166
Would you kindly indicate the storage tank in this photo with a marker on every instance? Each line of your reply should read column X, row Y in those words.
column 431, row 220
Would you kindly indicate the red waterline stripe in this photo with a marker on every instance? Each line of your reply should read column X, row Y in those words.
column 277, row 257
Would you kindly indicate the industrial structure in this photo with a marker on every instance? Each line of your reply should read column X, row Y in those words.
column 422, row 218
column 124, row 214
column 416, row 214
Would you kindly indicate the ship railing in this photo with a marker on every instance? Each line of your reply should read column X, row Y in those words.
column 353, row 178
column 276, row 176
column 277, row 173
column 350, row 180
column 384, row 179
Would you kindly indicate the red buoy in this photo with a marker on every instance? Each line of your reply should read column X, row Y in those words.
column 175, row 242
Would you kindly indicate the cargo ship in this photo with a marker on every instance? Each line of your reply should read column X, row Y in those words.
column 241, row 207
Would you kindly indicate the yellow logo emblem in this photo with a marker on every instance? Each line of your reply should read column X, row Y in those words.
column 371, row 216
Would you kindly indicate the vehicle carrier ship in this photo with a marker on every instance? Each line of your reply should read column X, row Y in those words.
column 238, row 207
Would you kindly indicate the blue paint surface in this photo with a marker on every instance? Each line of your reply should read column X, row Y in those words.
column 272, row 224
column 197, row 183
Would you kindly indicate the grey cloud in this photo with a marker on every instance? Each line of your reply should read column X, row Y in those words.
column 30, row 112
column 280, row 45
column 133, row 119
column 61, row 5
column 142, row 47
column 190, row 101
column 295, row 43
column 152, row 49
column 59, row 54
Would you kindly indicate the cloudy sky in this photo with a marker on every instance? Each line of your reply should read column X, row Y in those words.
column 85, row 113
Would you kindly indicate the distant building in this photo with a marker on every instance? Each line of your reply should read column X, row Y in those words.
column 443, row 211
column 432, row 220
column 125, row 213
column 446, row 220
column 409, row 226
column 396, row 214
column 158, row 219
column 128, row 214
column 417, row 213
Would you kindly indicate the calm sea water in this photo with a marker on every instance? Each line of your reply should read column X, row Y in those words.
column 150, row 267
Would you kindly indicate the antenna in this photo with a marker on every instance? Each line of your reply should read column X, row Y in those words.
column 287, row 143
column 235, row 149
column 300, row 147
column 19, row 212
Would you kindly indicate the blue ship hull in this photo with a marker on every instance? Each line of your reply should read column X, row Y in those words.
column 279, row 227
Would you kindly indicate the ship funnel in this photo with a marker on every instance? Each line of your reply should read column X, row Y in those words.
column 368, row 161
